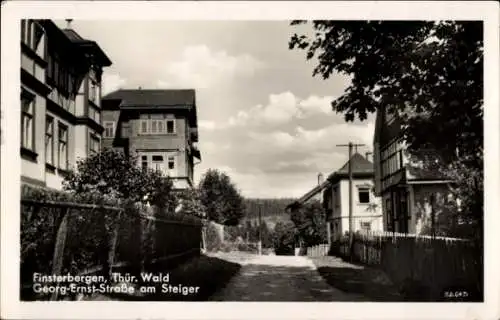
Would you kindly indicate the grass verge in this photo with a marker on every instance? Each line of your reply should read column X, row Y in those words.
column 209, row 274
column 353, row 278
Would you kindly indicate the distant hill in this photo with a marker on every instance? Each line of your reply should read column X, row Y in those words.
column 272, row 210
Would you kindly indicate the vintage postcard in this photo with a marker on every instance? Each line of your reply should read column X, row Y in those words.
column 338, row 159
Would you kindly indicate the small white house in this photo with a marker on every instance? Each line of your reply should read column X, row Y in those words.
column 334, row 196
column 367, row 208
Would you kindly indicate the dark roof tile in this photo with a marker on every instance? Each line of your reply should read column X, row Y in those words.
column 72, row 35
column 359, row 165
column 163, row 97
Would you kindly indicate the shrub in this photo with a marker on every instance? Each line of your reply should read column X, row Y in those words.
column 284, row 238
column 214, row 242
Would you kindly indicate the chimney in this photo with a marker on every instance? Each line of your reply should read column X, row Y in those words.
column 320, row 178
column 68, row 23
column 367, row 155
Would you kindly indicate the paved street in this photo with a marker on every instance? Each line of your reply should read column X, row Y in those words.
column 278, row 278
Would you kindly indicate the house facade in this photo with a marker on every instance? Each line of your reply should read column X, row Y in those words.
column 409, row 193
column 367, row 210
column 158, row 126
column 55, row 117
column 334, row 197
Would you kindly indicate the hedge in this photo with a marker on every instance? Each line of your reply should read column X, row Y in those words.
column 100, row 231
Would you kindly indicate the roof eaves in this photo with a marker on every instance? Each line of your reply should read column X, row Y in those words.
column 314, row 191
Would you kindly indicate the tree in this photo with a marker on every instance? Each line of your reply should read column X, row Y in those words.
column 310, row 222
column 267, row 236
column 222, row 201
column 190, row 203
column 113, row 174
column 284, row 238
column 429, row 75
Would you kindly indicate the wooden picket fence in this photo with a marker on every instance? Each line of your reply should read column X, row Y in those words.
column 319, row 250
column 59, row 238
column 433, row 264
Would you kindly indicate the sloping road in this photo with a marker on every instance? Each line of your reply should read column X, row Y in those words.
column 278, row 278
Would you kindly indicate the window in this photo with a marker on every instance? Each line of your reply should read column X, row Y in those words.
column 364, row 195
column 94, row 114
column 171, row 162
column 63, row 146
column 388, row 209
column 31, row 33
column 156, row 124
column 109, row 129
column 23, row 29
column 144, row 126
column 71, row 87
column 27, row 31
column 49, row 140
column 154, row 127
column 37, row 37
column 157, row 162
column 93, row 91
column 144, row 162
column 56, row 71
column 94, row 145
column 170, row 126
column 161, row 127
column 366, row 226
column 27, row 122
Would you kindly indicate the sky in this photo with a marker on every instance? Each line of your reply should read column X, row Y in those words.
column 263, row 118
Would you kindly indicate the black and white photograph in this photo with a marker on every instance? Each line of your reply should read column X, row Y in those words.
column 201, row 156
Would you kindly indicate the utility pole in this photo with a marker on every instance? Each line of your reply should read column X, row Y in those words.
column 260, row 230
column 351, row 222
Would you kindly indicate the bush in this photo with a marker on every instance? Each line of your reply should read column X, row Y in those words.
column 116, row 175
column 214, row 242
column 284, row 238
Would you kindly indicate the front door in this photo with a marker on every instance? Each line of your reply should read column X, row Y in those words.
column 401, row 209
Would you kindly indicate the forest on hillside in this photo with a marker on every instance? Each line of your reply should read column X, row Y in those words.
column 268, row 207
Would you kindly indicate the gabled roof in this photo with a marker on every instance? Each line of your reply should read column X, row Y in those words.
column 314, row 191
column 148, row 98
column 359, row 165
column 361, row 168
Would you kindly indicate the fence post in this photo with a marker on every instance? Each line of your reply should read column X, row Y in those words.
column 58, row 258
column 112, row 247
